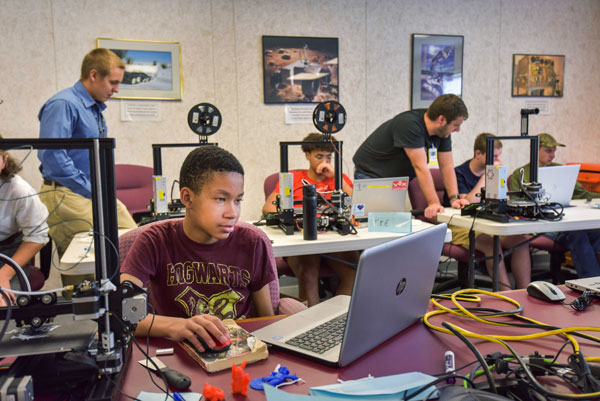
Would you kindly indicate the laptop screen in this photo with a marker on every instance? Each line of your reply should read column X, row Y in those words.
column 379, row 195
column 558, row 182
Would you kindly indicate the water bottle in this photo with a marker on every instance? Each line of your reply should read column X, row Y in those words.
column 309, row 212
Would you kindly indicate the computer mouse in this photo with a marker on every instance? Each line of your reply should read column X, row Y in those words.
column 217, row 348
column 545, row 291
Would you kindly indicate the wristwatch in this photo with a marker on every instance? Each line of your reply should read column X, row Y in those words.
column 451, row 198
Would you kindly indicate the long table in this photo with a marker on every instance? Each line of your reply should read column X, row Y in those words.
column 415, row 349
column 79, row 257
column 331, row 241
column 580, row 216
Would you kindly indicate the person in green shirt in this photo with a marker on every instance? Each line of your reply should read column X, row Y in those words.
column 548, row 146
column 583, row 244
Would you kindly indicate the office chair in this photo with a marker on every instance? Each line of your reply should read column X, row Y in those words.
column 134, row 187
column 556, row 252
column 39, row 275
column 456, row 252
column 281, row 306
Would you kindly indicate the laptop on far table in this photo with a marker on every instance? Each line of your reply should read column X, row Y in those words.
column 585, row 284
column 559, row 182
column 378, row 195
column 391, row 291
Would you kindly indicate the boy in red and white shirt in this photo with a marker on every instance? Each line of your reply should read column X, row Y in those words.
column 321, row 173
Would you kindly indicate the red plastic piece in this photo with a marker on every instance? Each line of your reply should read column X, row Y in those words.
column 212, row 393
column 239, row 384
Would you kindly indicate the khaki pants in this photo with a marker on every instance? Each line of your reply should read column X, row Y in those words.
column 73, row 214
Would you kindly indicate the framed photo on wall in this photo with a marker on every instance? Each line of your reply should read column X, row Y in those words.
column 300, row 69
column 437, row 64
column 152, row 69
column 538, row 75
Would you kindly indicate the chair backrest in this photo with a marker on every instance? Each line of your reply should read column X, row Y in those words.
column 416, row 196
column 134, row 186
column 127, row 239
column 271, row 182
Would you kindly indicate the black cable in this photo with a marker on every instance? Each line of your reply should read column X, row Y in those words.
column 146, row 353
column 533, row 380
column 541, row 326
column 149, row 360
column 583, row 301
column 515, row 314
column 436, row 381
column 540, row 214
column 458, row 369
column 561, row 350
column 477, row 354
column 172, row 187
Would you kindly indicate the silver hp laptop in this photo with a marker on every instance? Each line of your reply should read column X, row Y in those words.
column 391, row 291
column 379, row 195
column 559, row 182
column 585, row 284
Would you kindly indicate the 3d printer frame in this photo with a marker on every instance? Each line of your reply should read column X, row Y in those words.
column 104, row 215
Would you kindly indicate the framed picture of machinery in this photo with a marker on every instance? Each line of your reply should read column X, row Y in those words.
column 436, row 69
column 537, row 75
column 300, row 69
column 152, row 69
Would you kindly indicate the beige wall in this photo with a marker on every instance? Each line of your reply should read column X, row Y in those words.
column 43, row 42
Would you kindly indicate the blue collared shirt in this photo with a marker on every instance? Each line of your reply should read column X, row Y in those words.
column 71, row 113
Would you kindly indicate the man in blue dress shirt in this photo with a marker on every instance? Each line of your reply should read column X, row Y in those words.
column 76, row 112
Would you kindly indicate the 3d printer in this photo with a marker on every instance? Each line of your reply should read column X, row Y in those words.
column 52, row 338
column 529, row 202
column 333, row 213
column 205, row 120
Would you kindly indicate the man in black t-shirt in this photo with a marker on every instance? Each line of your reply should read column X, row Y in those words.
column 407, row 144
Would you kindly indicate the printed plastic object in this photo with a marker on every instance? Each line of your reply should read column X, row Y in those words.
column 240, row 381
column 212, row 393
column 277, row 378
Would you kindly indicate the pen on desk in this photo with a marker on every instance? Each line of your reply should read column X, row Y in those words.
column 449, row 365
column 178, row 397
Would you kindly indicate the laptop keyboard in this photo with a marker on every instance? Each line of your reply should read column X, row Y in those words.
column 323, row 337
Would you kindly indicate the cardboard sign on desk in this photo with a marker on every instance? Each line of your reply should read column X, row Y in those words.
column 390, row 222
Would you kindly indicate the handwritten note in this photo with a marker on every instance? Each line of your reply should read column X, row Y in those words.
column 395, row 222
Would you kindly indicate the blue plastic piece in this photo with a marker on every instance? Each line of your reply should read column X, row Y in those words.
column 276, row 378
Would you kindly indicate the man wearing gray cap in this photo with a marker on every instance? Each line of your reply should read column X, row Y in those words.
column 547, row 153
column 583, row 244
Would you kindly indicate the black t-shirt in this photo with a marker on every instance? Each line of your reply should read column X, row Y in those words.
column 382, row 153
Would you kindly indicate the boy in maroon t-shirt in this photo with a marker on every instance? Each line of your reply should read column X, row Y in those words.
column 306, row 267
column 204, row 267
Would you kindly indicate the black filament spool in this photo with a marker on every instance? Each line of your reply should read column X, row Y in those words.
column 204, row 119
column 329, row 117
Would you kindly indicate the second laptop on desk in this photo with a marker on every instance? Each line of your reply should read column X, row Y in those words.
column 559, row 182
column 378, row 195
column 391, row 291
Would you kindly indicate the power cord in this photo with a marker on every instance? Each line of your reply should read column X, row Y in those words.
column 583, row 374
column 583, row 301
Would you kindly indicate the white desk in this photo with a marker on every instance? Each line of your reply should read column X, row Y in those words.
column 79, row 258
column 331, row 241
column 580, row 216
